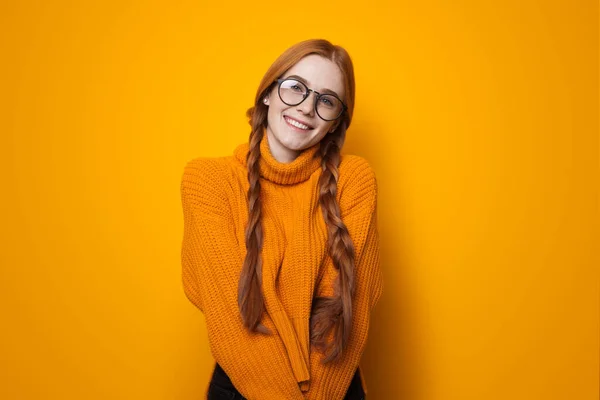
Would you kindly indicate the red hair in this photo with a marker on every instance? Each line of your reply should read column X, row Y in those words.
column 329, row 315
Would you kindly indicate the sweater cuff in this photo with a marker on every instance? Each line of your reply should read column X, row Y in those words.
column 294, row 333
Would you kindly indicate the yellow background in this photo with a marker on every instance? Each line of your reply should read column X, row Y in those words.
column 479, row 118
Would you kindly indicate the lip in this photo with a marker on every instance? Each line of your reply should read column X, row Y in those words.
column 300, row 121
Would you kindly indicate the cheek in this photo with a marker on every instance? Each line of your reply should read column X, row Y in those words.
column 276, row 108
column 273, row 113
column 323, row 130
column 327, row 126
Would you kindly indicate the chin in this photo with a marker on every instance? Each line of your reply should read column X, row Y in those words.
column 292, row 143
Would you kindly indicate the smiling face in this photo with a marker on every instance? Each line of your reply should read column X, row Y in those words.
column 288, row 138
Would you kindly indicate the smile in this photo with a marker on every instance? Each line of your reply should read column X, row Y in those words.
column 295, row 124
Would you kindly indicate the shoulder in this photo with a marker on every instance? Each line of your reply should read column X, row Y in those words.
column 204, row 169
column 204, row 180
column 357, row 182
column 356, row 173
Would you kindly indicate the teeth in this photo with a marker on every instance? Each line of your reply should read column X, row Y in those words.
column 296, row 123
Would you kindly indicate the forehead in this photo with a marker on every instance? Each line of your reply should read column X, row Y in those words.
column 319, row 73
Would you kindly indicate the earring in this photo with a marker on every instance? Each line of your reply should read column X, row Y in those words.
column 265, row 100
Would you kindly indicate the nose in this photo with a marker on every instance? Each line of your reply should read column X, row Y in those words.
column 308, row 106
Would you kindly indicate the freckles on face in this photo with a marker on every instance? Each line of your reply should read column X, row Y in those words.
column 298, row 127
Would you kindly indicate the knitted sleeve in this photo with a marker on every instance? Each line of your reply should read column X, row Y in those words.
column 358, row 205
column 211, row 263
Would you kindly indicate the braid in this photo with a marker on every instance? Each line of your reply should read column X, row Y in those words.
column 250, row 297
column 334, row 313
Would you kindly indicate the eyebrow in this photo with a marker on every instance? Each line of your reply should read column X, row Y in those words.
column 325, row 90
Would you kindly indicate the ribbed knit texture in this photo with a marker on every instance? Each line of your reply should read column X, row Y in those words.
column 296, row 268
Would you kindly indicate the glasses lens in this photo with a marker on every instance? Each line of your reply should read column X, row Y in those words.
column 292, row 92
column 329, row 107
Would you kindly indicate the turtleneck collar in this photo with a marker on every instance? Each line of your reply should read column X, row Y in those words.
column 296, row 171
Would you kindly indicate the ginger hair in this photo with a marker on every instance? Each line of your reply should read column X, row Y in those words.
column 329, row 315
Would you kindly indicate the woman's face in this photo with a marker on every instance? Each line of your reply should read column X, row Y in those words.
column 287, row 141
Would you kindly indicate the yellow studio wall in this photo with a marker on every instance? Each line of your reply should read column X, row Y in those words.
column 479, row 118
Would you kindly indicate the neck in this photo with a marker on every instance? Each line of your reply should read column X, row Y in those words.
column 301, row 168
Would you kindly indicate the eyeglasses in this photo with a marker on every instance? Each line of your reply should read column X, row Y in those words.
column 292, row 92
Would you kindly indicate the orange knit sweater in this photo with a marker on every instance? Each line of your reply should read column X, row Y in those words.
column 296, row 267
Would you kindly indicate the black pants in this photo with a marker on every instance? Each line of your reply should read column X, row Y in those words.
column 221, row 388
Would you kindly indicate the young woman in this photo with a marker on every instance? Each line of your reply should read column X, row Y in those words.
column 281, row 248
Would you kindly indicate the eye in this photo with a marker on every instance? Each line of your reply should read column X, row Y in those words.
column 326, row 101
column 293, row 86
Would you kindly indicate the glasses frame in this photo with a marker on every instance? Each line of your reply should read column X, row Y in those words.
column 307, row 95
